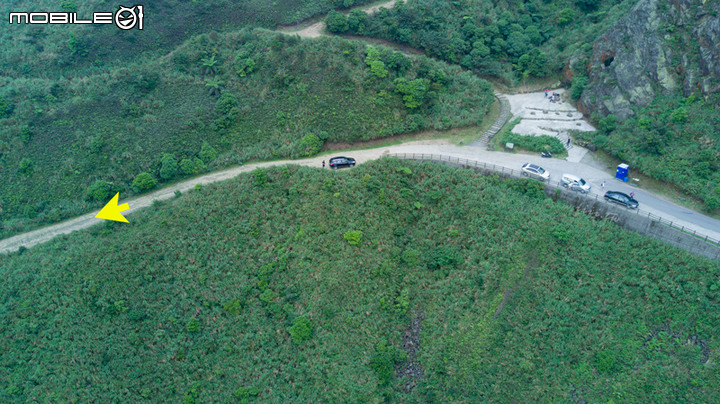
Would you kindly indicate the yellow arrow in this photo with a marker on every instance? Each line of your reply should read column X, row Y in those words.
column 112, row 211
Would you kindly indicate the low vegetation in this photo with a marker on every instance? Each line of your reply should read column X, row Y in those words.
column 217, row 100
column 540, row 143
column 298, row 284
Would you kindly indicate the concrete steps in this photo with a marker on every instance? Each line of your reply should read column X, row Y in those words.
column 503, row 117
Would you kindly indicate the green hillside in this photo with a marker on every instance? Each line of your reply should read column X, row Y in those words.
column 509, row 40
column 53, row 50
column 67, row 145
column 295, row 284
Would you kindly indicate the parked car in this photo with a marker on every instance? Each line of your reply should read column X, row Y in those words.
column 621, row 199
column 341, row 161
column 534, row 171
column 574, row 183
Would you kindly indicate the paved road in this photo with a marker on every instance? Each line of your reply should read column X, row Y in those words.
column 648, row 202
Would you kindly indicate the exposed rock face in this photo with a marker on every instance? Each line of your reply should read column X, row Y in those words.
column 659, row 46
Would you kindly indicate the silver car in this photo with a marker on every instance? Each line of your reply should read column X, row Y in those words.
column 574, row 183
column 535, row 171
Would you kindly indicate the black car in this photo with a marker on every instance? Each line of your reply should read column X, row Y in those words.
column 621, row 199
column 340, row 161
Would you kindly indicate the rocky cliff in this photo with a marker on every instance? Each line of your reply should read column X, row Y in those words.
column 659, row 46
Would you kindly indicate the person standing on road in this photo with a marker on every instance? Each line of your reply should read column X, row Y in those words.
column 567, row 144
column 546, row 91
column 602, row 185
column 632, row 195
column 323, row 163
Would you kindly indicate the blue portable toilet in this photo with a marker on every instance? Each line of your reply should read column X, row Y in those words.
column 622, row 172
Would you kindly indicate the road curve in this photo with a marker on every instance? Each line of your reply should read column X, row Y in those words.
column 648, row 202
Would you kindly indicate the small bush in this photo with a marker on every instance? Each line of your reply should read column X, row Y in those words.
column 100, row 190
column 353, row 237
column 233, row 306
column 301, row 330
column 193, row 325
column 245, row 393
column 443, row 257
column 26, row 166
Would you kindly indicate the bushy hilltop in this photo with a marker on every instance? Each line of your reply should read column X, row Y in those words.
column 55, row 50
column 393, row 281
column 67, row 145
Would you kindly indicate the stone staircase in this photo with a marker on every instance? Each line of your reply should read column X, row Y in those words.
column 503, row 117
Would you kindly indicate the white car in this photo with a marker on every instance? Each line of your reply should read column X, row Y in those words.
column 574, row 183
column 535, row 171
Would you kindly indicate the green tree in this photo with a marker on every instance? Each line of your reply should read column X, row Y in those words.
column 168, row 166
column 578, row 86
column 378, row 69
column 309, row 145
column 414, row 92
column 587, row 5
column 26, row 166
column 244, row 66
column 207, row 153
column 336, row 22
column 187, row 166
column 193, row 325
column 357, row 21
column 143, row 182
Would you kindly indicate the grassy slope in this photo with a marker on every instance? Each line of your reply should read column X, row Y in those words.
column 514, row 306
column 111, row 126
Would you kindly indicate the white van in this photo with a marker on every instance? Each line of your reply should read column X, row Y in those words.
column 574, row 183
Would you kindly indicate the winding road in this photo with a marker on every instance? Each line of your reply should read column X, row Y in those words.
column 533, row 108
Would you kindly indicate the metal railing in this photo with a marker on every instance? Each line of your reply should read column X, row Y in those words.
column 554, row 184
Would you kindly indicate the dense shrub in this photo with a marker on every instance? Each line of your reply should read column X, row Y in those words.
column 168, row 166
column 100, row 190
column 301, row 330
column 353, row 237
column 143, row 182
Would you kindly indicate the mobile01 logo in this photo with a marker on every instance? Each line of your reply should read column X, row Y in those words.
column 124, row 18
